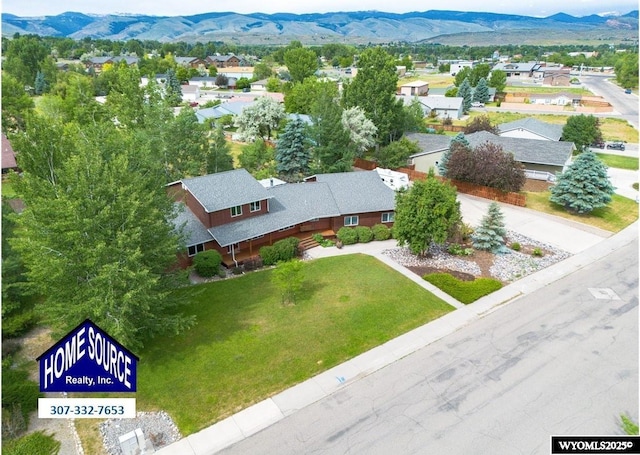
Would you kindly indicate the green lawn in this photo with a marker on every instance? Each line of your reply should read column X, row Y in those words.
column 620, row 213
column 247, row 346
column 618, row 161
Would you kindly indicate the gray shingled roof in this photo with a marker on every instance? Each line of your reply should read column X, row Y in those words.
column 534, row 151
column 359, row 192
column 225, row 189
column 195, row 232
column 291, row 204
column 429, row 143
column 549, row 130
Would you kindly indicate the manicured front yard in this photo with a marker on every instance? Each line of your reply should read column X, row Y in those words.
column 246, row 346
column 620, row 212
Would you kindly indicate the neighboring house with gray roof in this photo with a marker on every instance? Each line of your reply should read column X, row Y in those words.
column 432, row 147
column 214, row 113
column 531, row 128
column 541, row 158
column 442, row 106
column 235, row 214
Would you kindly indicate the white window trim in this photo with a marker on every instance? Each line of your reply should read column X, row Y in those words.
column 390, row 215
column 253, row 205
column 237, row 214
column 351, row 218
column 199, row 248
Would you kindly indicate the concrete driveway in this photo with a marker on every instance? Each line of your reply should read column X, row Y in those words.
column 623, row 180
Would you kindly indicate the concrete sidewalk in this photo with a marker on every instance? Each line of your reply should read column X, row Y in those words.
column 588, row 245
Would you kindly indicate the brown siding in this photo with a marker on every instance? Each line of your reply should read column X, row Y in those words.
column 224, row 216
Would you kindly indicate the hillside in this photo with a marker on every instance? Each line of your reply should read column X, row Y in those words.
column 352, row 27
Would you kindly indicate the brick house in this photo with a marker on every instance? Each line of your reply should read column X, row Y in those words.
column 235, row 214
column 223, row 61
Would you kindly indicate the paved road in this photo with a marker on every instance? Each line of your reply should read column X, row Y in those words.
column 624, row 104
column 561, row 360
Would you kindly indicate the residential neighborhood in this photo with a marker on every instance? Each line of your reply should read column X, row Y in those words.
column 283, row 241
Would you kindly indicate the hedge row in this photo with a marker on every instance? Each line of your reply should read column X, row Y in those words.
column 363, row 234
column 463, row 291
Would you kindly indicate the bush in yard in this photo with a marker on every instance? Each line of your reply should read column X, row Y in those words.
column 19, row 398
column 515, row 246
column 488, row 165
column 269, row 255
column 463, row 291
column 364, row 234
column 347, row 235
column 282, row 250
column 37, row 443
column 287, row 249
column 207, row 263
column 381, row 232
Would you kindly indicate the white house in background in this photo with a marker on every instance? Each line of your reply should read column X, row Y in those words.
column 259, row 86
column 190, row 93
column 531, row 128
column 455, row 68
column 442, row 106
column 415, row 88
column 393, row 179
column 203, row 82
column 237, row 72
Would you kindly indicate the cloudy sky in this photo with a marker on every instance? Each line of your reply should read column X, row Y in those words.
column 188, row 7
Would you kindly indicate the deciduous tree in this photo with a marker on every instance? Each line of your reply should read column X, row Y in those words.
column 288, row 277
column 582, row 130
column 459, row 141
column 362, row 131
column 301, row 63
column 185, row 146
column 584, row 186
column 331, row 150
column 259, row 119
column 425, row 214
column 374, row 90
column 498, row 80
column 219, row 158
column 481, row 123
column 98, row 240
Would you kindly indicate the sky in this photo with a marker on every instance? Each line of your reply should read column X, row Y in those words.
column 539, row 8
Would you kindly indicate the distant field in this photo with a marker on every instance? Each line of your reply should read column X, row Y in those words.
column 613, row 129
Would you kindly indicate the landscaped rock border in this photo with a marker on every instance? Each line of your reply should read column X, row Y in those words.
column 507, row 267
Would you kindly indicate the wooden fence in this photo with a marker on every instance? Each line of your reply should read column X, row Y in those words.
column 463, row 187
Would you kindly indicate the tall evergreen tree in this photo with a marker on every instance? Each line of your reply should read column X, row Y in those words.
column 293, row 154
column 40, row 85
column 481, row 92
column 173, row 90
column 584, row 186
column 465, row 92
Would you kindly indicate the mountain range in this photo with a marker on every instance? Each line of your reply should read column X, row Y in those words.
column 342, row 27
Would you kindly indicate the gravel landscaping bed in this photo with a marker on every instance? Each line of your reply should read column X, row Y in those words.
column 506, row 267
column 158, row 427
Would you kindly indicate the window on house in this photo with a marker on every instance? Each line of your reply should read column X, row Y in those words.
column 233, row 248
column 195, row 249
column 351, row 220
column 388, row 217
column 236, row 211
column 255, row 206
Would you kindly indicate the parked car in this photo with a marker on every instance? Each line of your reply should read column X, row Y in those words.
column 599, row 145
column 477, row 104
column 628, row 91
column 616, row 146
